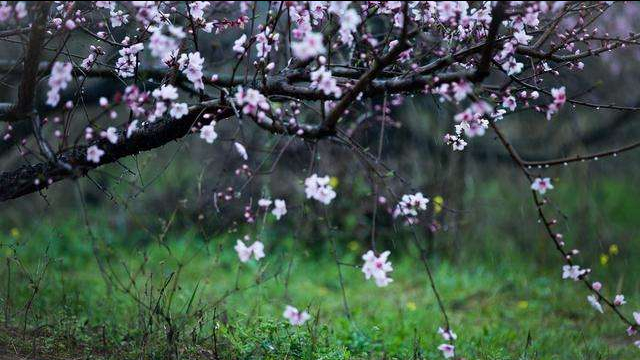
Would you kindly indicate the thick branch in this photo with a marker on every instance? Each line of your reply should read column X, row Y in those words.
column 32, row 59
column 363, row 82
column 32, row 178
column 497, row 15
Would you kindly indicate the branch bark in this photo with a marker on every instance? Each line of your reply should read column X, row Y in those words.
column 363, row 82
column 32, row 59
column 497, row 15
column 31, row 178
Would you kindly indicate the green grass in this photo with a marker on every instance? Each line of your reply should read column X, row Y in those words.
column 189, row 297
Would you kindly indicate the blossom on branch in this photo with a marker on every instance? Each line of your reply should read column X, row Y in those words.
column 319, row 188
column 59, row 79
column 280, row 208
column 191, row 65
column 208, row 133
column 573, row 272
column 593, row 301
column 541, row 185
column 311, row 46
column 448, row 350
column 252, row 102
column 377, row 267
column 94, row 154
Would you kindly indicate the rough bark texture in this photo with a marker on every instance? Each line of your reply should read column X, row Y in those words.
column 32, row 178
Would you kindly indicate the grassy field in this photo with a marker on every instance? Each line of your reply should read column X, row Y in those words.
column 151, row 285
column 189, row 297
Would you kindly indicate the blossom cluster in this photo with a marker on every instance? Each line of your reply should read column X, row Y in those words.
column 59, row 80
column 191, row 65
column 319, row 188
column 166, row 96
column 321, row 79
column 253, row 103
column 128, row 60
column 409, row 206
column 471, row 122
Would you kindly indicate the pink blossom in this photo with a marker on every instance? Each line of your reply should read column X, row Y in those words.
column 295, row 316
column 252, row 102
column 476, row 128
column 70, row 24
column 162, row 45
column 448, row 350
column 522, row 37
column 133, row 127
column 349, row 21
column 280, row 208
column 593, row 301
column 240, row 149
column 509, row 102
column 377, row 267
column 126, row 63
column 265, row 42
column 461, row 89
column 94, row 51
column 196, row 8
column 619, row 300
column 59, row 79
column 512, row 67
column 178, row 110
column 596, row 286
column 118, row 18
column 410, row 204
column 238, row 45
column 321, row 79
column 191, row 65
column 5, row 12
column 456, row 142
column 559, row 96
column 541, row 185
column 447, row 334
column 245, row 252
column 94, row 154
column 572, row 272
column 265, row 203
column 311, row 45
column 111, row 134
column 449, row 10
column 319, row 189
column 208, row 133
column 21, row 9
column 165, row 92
column 106, row 4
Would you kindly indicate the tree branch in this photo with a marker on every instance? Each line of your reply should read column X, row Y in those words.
column 379, row 65
column 32, row 59
column 31, row 178
column 497, row 15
